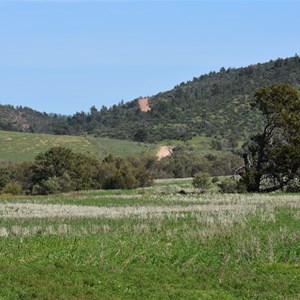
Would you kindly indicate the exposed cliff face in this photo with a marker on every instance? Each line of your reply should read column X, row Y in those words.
column 163, row 152
column 144, row 104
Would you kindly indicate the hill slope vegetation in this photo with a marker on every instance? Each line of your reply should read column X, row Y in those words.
column 215, row 105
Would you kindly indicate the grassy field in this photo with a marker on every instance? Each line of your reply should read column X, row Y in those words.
column 148, row 244
column 18, row 146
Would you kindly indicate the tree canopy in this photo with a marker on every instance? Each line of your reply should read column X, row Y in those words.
column 273, row 158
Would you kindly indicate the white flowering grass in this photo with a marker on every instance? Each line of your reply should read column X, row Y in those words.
column 239, row 204
column 28, row 210
column 210, row 211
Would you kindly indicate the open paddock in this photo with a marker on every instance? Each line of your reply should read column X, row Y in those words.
column 145, row 244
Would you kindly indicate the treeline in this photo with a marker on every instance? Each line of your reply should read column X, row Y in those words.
column 62, row 170
column 25, row 119
column 184, row 162
column 216, row 105
column 271, row 159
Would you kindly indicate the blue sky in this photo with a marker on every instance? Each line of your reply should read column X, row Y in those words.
column 65, row 56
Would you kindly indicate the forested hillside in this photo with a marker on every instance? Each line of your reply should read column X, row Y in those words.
column 217, row 104
column 26, row 119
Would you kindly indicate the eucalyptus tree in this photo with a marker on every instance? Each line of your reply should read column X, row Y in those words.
column 273, row 158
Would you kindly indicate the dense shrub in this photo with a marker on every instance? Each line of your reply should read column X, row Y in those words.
column 228, row 185
column 120, row 173
column 13, row 188
column 47, row 187
column 202, row 181
column 20, row 173
column 54, row 185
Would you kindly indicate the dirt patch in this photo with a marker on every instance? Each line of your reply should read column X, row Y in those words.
column 164, row 151
column 144, row 104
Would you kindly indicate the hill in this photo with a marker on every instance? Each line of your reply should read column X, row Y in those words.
column 215, row 105
column 25, row 119
column 19, row 146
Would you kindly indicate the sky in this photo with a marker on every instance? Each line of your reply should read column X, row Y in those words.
column 64, row 56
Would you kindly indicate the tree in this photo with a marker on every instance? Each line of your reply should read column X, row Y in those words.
column 141, row 135
column 54, row 163
column 273, row 158
column 61, row 170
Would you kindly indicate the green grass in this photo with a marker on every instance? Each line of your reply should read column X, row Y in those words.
column 106, row 146
column 236, row 247
column 17, row 146
column 201, row 143
column 182, row 182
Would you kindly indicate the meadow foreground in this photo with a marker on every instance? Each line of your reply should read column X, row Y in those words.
column 146, row 244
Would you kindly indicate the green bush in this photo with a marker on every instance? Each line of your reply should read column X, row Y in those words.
column 228, row 185
column 66, row 183
column 47, row 187
column 118, row 173
column 13, row 188
column 145, row 178
column 201, row 181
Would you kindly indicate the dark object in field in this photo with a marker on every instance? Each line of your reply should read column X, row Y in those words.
column 182, row 192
